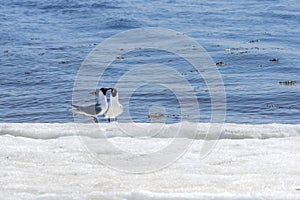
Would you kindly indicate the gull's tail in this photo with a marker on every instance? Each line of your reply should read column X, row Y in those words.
column 76, row 107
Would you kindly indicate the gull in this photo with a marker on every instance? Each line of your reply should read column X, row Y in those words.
column 100, row 108
column 115, row 108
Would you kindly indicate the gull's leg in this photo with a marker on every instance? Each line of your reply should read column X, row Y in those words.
column 95, row 119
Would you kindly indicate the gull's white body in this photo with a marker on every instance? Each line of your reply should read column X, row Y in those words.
column 115, row 108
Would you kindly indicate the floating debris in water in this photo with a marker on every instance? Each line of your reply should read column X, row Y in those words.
column 243, row 50
column 64, row 62
column 157, row 115
column 278, row 106
column 221, row 63
column 274, row 60
column 162, row 115
column 34, row 38
column 228, row 50
column 253, row 41
column 120, row 57
column 27, row 73
column 287, row 83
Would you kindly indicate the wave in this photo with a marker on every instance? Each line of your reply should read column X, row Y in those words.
column 122, row 23
column 147, row 130
column 74, row 5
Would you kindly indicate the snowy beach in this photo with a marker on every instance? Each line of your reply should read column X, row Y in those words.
column 210, row 94
column 48, row 161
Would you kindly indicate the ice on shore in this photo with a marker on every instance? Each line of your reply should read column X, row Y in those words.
column 106, row 130
column 48, row 161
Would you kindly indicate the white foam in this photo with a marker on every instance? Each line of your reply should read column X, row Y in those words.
column 139, row 130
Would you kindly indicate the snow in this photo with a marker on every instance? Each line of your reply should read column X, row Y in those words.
column 50, row 161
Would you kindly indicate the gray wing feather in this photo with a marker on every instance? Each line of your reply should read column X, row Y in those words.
column 89, row 110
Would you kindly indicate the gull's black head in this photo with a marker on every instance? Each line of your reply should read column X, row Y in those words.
column 104, row 90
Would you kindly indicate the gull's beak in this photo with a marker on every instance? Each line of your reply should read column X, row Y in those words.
column 93, row 92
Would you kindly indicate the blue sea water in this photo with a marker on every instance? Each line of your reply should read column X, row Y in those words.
column 43, row 44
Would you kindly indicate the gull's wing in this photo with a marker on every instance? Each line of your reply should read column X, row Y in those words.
column 93, row 110
column 88, row 110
